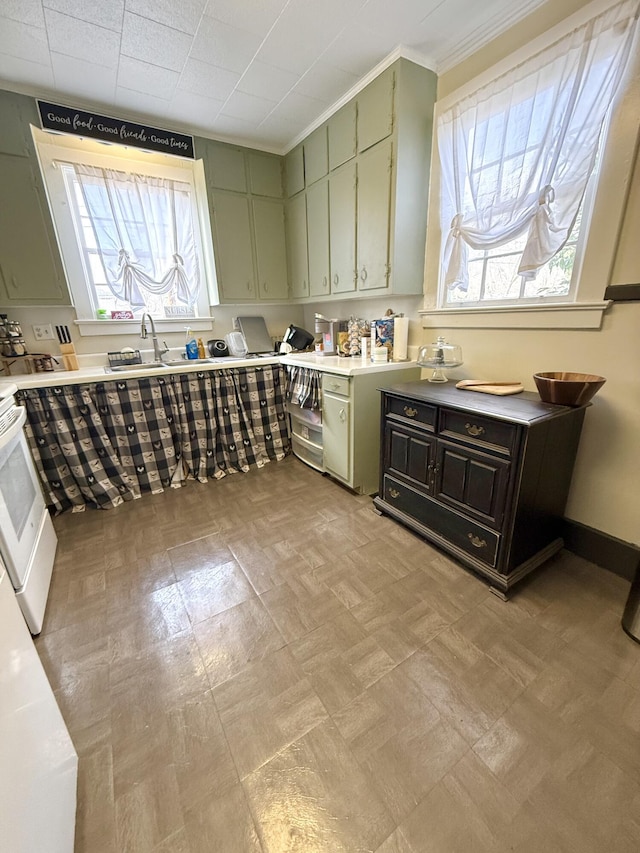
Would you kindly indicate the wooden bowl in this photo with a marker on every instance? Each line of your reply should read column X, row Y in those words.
column 568, row 389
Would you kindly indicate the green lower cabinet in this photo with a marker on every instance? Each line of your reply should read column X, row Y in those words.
column 351, row 424
column 336, row 431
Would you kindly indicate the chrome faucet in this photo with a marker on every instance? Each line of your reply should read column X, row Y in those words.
column 158, row 352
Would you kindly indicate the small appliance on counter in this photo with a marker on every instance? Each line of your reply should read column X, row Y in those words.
column 329, row 331
column 296, row 338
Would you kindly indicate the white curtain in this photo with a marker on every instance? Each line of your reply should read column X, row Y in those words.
column 143, row 228
column 516, row 155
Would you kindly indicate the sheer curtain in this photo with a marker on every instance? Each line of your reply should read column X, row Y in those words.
column 516, row 155
column 144, row 232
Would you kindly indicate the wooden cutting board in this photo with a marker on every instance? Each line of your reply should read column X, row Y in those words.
column 501, row 389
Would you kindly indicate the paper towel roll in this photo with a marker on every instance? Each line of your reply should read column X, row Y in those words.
column 400, row 338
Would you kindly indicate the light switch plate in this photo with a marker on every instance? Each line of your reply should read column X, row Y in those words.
column 43, row 332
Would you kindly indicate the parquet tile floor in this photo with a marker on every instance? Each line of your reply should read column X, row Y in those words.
column 262, row 664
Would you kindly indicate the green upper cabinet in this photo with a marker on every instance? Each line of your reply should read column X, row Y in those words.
column 318, row 238
column 249, row 248
column 316, row 157
column 294, row 171
column 378, row 189
column 244, row 189
column 224, row 165
column 296, row 229
column 265, row 174
column 376, row 109
column 342, row 135
column 271, row 250
column 31, row 270
column 374, row 212
column 342, row 228
column 232, row 244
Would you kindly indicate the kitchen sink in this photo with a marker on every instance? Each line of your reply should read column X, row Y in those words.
column 185, row 362
column 146, row 365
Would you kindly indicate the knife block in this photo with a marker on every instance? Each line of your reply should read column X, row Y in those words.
column 69, row 357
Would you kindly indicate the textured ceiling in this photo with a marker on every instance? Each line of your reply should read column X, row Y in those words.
column 258, row 72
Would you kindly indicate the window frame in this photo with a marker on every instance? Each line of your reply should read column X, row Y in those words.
column 51, row 146
column 608, row 201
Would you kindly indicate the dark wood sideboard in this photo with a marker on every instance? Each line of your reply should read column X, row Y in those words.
column 483, row 477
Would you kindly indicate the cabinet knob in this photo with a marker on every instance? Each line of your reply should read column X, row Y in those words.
column 248, row 285
column 409, row 412
column 324, row 281
column 394, row 493
column 363, row 274
column 265, row 286
column 476, row 541
column 343, row 415
column 474, row 430
column 336, row 278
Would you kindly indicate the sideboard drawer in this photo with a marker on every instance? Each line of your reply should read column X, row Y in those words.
column 420, row 414
column 470, row 537
column 485, row 433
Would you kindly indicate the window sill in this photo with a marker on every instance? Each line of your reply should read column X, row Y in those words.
column 92, row 328
column 574, row 315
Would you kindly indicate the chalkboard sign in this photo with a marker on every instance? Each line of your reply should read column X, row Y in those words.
column 95, row 126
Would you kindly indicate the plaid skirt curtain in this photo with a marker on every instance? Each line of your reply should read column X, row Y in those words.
column 108, row 442
column 231, row 420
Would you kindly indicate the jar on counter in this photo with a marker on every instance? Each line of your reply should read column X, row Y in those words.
column 19, row 347
column 6, row 347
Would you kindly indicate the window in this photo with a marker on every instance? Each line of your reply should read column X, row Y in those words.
column 516, row 157
column 129, row 227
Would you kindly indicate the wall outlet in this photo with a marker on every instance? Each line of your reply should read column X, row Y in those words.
column 43, row 332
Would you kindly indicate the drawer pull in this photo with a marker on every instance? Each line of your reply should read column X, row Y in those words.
column 476, row 541
column 474, row 430
column 409, row 412
column 394, row 493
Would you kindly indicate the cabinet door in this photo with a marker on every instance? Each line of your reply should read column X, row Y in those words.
column 31, row 271
column 374, row 211
column 17, row 112
column 342, row 135
column 297, row 243
column 265, row 175
column 336, row 435
column 318, row 238
column 271, row 250
column 224, row 165
column 342, row 229
column 294, row 171
column 375, row 110
column 410, row 454
column 233, row 247
column 316, row 158
column 474, row 483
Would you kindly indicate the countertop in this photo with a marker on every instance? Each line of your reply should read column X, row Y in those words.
column 342, row 366
column 95, row 370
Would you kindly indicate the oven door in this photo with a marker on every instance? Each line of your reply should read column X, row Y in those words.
column 21, row 502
